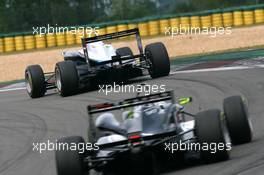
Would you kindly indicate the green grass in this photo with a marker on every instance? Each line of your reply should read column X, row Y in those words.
column 232, row 54
column 10, row 82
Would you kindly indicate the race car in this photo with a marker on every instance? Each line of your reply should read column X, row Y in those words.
column 148, row 129
column 98, row 63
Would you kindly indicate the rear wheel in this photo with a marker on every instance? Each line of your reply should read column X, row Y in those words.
column 35, row 81
column 159, row 60
column 70, row 162
column 238, row 123
column 211, row 131
column 66, row 78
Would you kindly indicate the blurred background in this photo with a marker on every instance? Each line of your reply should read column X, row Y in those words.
column 20, row 46
column 21, row 16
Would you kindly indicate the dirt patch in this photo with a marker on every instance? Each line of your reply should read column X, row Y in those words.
column 12, row 66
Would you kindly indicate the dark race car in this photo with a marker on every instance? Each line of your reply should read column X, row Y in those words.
column 148, row 132
column 98, row 63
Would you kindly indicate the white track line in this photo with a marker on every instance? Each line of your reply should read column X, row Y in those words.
column 12, row 89
column 217, row 69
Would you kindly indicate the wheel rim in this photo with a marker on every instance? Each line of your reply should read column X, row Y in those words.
column 28, row 83
column 58, row 80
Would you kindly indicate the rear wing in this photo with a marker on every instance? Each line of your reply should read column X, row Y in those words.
column 131, row 102
column 110, row 36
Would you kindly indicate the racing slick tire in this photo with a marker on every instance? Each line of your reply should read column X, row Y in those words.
column 158, row 58
column 66, row 78
column 211, row 130
column 69, row 162
column 35, row 81
column 124, row 51
column 237, row 120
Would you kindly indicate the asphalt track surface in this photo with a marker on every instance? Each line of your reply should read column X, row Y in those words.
column 24, row 121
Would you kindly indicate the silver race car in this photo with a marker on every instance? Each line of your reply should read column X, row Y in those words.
column 148, row 132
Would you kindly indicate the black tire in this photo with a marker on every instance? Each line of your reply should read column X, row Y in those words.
column 238, row 123
column 66, row 78
column 210, row 129
column 124, row 51
column 69, row 162
column 35, row 81
column 159, row 60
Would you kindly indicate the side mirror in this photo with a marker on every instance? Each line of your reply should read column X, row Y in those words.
column 108, row 122
column 185, row 100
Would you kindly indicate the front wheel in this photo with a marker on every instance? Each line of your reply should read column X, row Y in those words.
column 237, row 120
column 35, row 81
column 158, row 59
column 70, row 162
column 124, row 51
